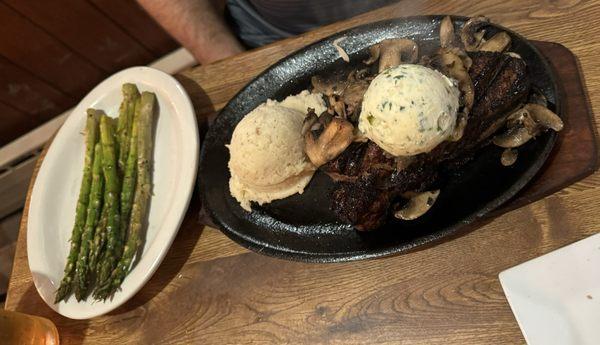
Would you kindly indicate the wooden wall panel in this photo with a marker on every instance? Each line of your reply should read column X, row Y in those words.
column 86, row 30
column 137, row 23
column 53, row 52
column 31, row 48
column 12, row 123
column 29, row 94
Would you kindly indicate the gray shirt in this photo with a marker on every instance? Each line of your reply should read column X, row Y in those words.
column 258, row 22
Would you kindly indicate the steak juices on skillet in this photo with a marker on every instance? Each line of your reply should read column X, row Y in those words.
column 497, row 105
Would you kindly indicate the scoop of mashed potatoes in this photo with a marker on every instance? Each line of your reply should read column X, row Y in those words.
column 409, row 109
column 303, row 101
column 267, row 155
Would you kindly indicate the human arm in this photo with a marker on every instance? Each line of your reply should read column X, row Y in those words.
column 198, row 25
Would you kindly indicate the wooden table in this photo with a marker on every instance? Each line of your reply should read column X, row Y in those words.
column 211, row 291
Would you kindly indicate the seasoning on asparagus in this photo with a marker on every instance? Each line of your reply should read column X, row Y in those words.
column 93, row 211
column 114, row 242
column 65, row 287
column 97, row 246
column 113, row 198
column 131, row 96
column 143, row 135
column 131, row 171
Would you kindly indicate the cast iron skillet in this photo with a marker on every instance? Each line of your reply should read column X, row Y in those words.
column 302, row 227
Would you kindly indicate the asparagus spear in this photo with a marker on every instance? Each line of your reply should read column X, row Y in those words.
column 99, row 240
column 65, row 287
column 93, row 210
column 141, row 197
column 130, row 175
column 114, row 242
column 126, row 114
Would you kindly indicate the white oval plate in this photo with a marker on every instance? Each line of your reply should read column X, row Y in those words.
column 56, row 188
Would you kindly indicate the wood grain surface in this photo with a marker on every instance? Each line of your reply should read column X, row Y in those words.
column 67, row 46
column 108, row 48
column 17, row 29
column 136, row 22
column 23, row 91
column 211, row 291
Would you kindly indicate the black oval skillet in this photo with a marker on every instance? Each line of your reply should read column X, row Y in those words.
column 301, row 227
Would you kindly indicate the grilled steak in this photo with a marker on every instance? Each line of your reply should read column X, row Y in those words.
column 361, row 204
column 362, row 159
column 369, row 180
column 483, row 70
column 504, row 92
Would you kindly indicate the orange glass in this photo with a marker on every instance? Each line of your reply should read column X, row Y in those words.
column 23, row 329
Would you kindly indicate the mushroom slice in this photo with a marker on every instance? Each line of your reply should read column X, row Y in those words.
column 527, row 122
column 522, row 117
column 472, row 34
column 544, row 117
column 459, row 128
column 359, row 75
column 513, row 137
column 515, row 55
column 328, row 86
column 358, row 83
column 336, row 106
column 325, row 137
column 311, row 122
column 393, row 52
column 537, row 97
column 465, row 58
column 417, row 205
column 492, row 128
column 374, row 52
column 447, row 33
column 340, row 50
column 360, row 137
column 453, row 66
column 353, row 97
column 498, row 43
column 508, row 157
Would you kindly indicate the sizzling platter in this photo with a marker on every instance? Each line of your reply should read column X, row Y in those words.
column 307, row 226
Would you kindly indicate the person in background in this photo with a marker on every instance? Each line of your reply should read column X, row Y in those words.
column 215, row 29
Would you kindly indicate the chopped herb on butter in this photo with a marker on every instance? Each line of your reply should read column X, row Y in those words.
column 422, row 121
column 383, row 105
column 370, row 118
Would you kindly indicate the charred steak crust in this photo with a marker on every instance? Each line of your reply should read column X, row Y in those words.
column 348, row 163
column 510, row 87
column 361, row 204
column 485, row 66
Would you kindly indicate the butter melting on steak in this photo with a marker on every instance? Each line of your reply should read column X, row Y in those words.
column 369, row 180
